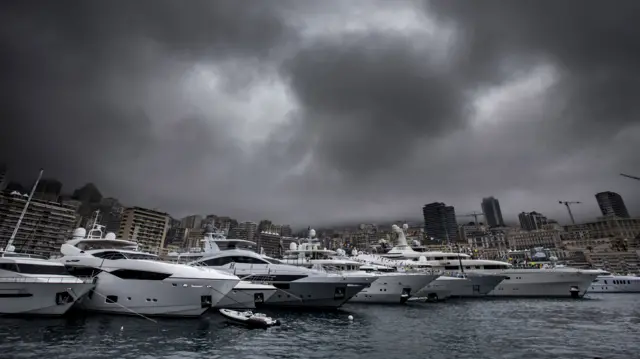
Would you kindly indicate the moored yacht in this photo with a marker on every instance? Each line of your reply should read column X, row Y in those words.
column 390, row 287
column 297, row 287
column 35, row 285
column 611, row 283
column 132, row 282
column 32, row 284
column 549, row 281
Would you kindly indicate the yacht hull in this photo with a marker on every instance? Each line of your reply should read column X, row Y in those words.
column 474, row 285
column 40, row 298
column 172, row 297
column 393, row 288
column 247, row 296
column 317, row 292
column 615, row 284
column 544, row 283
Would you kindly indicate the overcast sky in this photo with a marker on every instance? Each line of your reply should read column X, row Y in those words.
column 321, row 112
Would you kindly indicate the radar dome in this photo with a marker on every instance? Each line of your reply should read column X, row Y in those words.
column 110, row 236
column 422, row 259
column 293, row 246
column 79, row 233
column 11, row 248
column 312, row 233
column 405, row 226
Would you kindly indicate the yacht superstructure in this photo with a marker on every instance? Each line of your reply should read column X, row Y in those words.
column 551, row 281
column 132, row 282
column 390, row 287
column 611, row 283
column 296, row 286
column 31, row 285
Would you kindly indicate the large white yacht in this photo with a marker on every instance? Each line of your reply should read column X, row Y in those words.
column 390, row 287
column 297, row 287
column 458, row 284
column 31, row 284
column 35, row 285
column 550, row 281
column 611, row 283
column 132, row 282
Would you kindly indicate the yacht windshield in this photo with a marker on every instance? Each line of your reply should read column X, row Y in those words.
column 271, row 260
column 113, row 255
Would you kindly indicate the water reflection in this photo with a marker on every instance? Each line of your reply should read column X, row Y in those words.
column 604, row 326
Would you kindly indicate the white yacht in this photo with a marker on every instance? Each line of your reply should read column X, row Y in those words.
column 33, row 285
column 297, row 287
column 390, row 287
column 247, row 295
column 610, row 283
column 132, row 282
column 450, row 284
column 550, row 281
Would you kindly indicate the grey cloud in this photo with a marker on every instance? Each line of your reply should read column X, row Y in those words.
column 100, row 91
column 370, row 99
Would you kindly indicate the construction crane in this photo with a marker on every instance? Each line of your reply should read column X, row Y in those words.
column 474, row 215
column 629, row 176
column 568, row 205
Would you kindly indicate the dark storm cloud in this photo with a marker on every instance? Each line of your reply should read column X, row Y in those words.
column 75, row 76
column 151, row 100
column 369, row 99
column 594, row 45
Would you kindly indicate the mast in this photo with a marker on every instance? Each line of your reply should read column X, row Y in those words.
column 9, row 247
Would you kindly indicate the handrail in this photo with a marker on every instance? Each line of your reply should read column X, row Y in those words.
column 66, row 279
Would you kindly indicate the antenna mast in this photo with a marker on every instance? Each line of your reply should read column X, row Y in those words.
column 9, row 246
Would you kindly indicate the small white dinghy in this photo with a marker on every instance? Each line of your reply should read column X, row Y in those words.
column 249, row 319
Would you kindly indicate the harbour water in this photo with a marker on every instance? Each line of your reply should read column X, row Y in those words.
column 604, row 326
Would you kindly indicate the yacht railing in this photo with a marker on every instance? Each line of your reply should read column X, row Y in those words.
column 52, row 280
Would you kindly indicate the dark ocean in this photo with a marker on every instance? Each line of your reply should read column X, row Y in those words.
column 602, row 325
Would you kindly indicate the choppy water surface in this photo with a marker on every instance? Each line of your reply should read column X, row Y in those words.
column 604, row 326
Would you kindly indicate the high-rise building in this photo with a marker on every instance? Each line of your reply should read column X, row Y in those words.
column 147, row 227
column 440, row 221
column 530, row 221
column 192, row 222
column 611, row 204
column 492, row 212
column 44, row 228
column 4, row 180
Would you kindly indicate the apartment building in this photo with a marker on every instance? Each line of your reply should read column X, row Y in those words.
column 145, row 226
column 44, row 228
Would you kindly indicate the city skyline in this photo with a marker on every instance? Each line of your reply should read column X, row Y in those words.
column 325, row 113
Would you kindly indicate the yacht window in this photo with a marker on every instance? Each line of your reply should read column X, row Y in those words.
column 605, row 281
column 109, row 255
column 272, row 261
column 150, row 257
column 451, row 267
column 439, row 258
column 12, row 267
column 494, row 266
column 139, row 275
column 217, row 262
column 42, row 269
column 251, row 260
